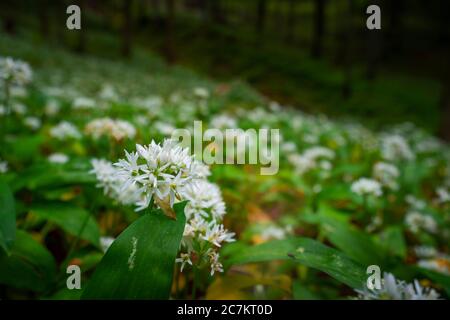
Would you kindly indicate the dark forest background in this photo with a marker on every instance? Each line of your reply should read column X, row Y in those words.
column 314, row 54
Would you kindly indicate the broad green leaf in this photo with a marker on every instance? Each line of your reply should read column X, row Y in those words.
column 306, row 251
column 301, row 292
column 140, row 262
column 48, row 175
column 393, row 241
column 29, row 265
column 358, row 245
column 7, row 217
column 71, row 219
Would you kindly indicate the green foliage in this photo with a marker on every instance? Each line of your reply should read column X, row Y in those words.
column 140, row 262
column 304, row 251
column 7, row 217
column 28, row 266
column 75, row 221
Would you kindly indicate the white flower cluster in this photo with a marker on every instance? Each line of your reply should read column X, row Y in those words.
column 167, row 174
column 223, row 121
column 33, row 123
column 395, row 148
column 416, row 221
column 393, row 289
column 65, row 130
column 83, row 103
column 365, row 186
column 312, row 158
column 14, row 72
column 59, row 158
column 158, row 171
column 443, row 195
column 112, row 184
column 438, row 264
column 116, row 129
column 387, row 174
column 3, row 166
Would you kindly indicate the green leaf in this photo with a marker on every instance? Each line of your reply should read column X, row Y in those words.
column 356, row 244
column 29, row 265
column 140, row 262
column 306, row 251
column 47, row 175
column 71, row 219
column 7, row 217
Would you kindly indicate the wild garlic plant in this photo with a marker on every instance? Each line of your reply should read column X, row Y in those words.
column 161, row 175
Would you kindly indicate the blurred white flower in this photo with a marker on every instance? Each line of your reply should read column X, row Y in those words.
column 425, row 251
column 443, row 195
column 415, row 203
column 387, row 174
column 272, row 232
column 107, row 92
column 52, row 108
column 15, row 72
column 416, row 221
column 201, row 93
column 312, row 158
column 3, row 166
column 116, row 129
column 33, row 123
column 112, row 184
column 365, row 186
column 83, row 103
column 60, row 158
column 65, row 130
column 438, row 264
column 164, row 128
column 393, row 289
column 223, row 121
column 395, row 148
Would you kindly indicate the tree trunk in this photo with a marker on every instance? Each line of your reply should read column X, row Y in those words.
column 347, row 90
column 169, row 51
column 261, row 13
column 81, row 44
column 127, row 28
column 374, row 49
column 318, row 29
column 44, row 18
column 291, row 15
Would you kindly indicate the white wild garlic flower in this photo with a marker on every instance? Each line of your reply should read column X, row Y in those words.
column 115, row 129
column 365, row 187
column 65, row 130
column 14, row 72
column 394, row 289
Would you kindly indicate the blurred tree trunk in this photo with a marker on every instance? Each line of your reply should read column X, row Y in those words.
column 374, row 48
column 81, row 44
column 318, row 28
column 291, row 15
column 217, row 12
column 395, row 27
column 44, row 27
column 261, row 13
column 444, row 119
column 169, row 51
column 127, row 28
column 347, row 15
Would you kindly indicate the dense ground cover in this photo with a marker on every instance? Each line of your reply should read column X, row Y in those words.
column 344, row 198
